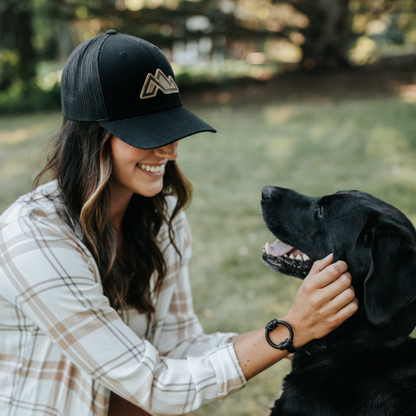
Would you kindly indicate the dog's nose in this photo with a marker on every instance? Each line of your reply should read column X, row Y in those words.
column 266, row 193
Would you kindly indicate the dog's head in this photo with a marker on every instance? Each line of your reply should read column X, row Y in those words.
column 375, row 239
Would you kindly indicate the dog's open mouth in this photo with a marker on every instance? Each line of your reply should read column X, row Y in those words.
column 286, row 259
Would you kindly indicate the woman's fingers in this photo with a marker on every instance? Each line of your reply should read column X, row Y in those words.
column 337, row 292
column 339, row 317
column 324, row 300
column 329, row 284
column 343, row 296
column 320, row 265
column 323, row 272
column 344, row 304
column 337, row 301
column 348, row 310
column 341, row 285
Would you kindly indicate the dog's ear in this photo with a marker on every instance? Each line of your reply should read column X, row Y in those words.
column 390, row 284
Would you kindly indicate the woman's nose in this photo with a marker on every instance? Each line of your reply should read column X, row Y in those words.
column 169, row 151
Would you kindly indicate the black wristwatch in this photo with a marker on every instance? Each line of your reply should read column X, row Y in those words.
column 285, row 345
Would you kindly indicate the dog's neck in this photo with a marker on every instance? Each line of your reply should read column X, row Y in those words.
column 395, row 343
column 356, row 331
column 320, row 345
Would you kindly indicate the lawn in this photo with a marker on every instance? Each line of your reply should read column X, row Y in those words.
column 314, row 147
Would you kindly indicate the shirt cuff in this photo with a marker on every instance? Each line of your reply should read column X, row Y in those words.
column 229, row 376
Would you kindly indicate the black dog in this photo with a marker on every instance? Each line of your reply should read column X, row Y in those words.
column 367, row 366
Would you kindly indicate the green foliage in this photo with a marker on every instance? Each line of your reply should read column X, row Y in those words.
column 28, row 97
column 45, row 27
column 9, row 61
column 16, row 39
column 275, row 31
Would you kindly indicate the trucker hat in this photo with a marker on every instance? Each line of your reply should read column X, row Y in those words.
column 127, row 85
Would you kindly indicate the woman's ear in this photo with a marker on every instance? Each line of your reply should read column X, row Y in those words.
column 390, row 284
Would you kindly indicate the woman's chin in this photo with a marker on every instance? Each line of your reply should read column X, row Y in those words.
column 150, row 191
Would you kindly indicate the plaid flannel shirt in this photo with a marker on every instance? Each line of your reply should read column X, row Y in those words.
column 63, row 348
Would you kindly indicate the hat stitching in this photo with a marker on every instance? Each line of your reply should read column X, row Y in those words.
column 99, row 71
column 141, row 115
column 68, row 81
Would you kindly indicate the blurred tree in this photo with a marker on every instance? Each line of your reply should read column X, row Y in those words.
column 17, row 54
column 321, row 33
column 326, row 35
column 53, row 22
column 320, row 28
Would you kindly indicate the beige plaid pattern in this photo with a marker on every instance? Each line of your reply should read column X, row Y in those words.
column 63, row 348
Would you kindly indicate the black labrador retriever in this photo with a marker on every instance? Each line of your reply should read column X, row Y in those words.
column 367, row 366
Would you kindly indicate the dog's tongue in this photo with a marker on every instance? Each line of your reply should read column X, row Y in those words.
column 278, row 248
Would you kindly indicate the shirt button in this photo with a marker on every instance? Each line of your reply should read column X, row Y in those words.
column 111, row 32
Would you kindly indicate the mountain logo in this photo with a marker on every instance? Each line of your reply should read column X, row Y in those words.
column 157, row 82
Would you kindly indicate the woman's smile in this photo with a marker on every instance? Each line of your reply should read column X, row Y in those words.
column 137, row 170
column 154, row 170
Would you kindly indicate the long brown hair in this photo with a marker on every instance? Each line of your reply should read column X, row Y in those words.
column 81, row 163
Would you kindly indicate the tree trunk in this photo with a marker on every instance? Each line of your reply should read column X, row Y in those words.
column 16, row 34
column 327, row 34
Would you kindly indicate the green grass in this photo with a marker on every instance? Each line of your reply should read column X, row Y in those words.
column 23, row 145
column 315, row 148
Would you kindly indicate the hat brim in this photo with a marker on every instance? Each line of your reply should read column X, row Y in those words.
column 153, row 130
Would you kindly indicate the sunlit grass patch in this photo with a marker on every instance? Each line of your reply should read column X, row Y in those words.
column 23, row 146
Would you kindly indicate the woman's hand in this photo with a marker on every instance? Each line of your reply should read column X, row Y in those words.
column 323, row 302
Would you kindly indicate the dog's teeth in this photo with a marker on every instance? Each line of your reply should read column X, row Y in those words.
column 298, row 257
column 285, row 255
column 306, row 257
column 267, row 249
column 291, row 257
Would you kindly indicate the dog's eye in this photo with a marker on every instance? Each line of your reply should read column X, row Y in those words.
column 321, row 211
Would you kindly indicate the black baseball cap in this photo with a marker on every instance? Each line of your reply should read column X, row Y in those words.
column 127, row 85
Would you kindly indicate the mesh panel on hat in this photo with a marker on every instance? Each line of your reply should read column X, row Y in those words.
column 82, row 97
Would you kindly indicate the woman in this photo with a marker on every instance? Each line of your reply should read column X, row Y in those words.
column 95, row 295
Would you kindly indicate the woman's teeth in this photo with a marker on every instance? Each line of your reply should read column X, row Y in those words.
column 151, row 168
